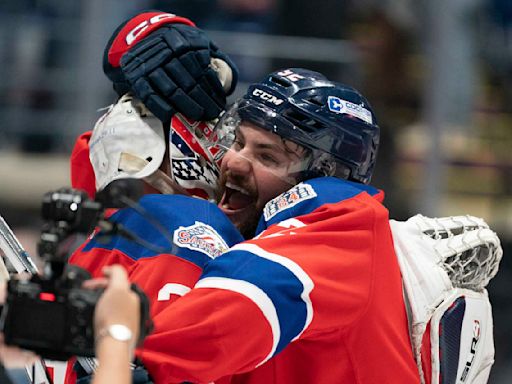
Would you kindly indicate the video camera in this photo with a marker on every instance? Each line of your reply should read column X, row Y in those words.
column 51, row 314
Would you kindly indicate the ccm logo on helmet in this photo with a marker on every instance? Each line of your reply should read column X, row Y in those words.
column 267, row 97
column 338, row 105
column 132, row 35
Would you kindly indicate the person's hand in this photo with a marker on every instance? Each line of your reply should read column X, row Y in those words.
column 171, row 65
column 118, row 304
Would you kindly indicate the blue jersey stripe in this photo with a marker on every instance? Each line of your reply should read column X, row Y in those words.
column 172, row 212
column 282, row 280
column 258, row 296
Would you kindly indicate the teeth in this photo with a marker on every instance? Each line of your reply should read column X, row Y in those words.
column 237, row 188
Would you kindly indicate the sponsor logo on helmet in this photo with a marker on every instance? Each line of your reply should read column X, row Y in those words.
column 472, row 352
column 202, row 238
column 288, row 199
column 338, row 105
column 267, row 96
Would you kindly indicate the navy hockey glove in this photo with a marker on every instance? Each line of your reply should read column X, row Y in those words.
column 170, row 65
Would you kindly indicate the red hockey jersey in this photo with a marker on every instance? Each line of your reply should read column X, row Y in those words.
column 315, row 298
column 81, row 172
column 172, row 238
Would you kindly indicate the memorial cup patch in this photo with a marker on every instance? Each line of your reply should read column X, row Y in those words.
column 288, row 199
column 202, row 238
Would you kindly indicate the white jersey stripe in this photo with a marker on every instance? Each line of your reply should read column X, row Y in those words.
column 256, row 295
column 172, row 288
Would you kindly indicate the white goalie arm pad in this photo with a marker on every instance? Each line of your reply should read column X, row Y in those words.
column 436, row 258
column 461, row 338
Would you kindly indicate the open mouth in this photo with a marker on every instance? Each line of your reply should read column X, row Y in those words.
column 235, row 198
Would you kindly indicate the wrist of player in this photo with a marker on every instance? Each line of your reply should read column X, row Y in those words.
column 132, row 31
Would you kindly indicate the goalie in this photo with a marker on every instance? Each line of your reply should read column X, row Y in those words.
column 317, row 295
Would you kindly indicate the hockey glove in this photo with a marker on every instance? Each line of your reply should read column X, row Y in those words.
column 171, row 65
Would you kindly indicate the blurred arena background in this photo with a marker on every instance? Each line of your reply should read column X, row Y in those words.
column 437, row 72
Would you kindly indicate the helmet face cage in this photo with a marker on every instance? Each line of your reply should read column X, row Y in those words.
column 310, row 163
column 332, row 120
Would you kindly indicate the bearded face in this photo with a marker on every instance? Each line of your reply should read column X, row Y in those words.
column 255, row 169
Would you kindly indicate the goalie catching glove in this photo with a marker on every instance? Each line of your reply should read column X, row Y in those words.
column 170, row 65
column 446, row 263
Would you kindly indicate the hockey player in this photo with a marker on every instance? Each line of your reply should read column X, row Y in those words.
column 168, row 64
column 322, row 271
column 317, row 296
column 146, row 135
column 168, row 152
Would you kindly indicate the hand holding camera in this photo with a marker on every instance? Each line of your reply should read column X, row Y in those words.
column 117, row 313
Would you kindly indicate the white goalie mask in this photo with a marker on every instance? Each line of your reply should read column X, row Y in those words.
column 129, row 142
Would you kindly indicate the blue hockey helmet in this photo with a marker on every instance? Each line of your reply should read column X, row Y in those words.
column 334, row 121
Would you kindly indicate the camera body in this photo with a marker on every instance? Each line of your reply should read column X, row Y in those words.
column 53, row 318
column 72, row 207
column 50, row 313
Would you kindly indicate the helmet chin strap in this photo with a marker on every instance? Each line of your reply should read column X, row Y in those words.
column 132, row 164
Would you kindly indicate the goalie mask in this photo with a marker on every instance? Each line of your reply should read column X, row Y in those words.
column 126, row 129
column 129, row 142
column 194, row 156
column 332, row 121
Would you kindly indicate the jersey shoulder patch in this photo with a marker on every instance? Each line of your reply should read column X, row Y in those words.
column 202, row 238
column 187, row 227
column 309, row 195
column 288, row 199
